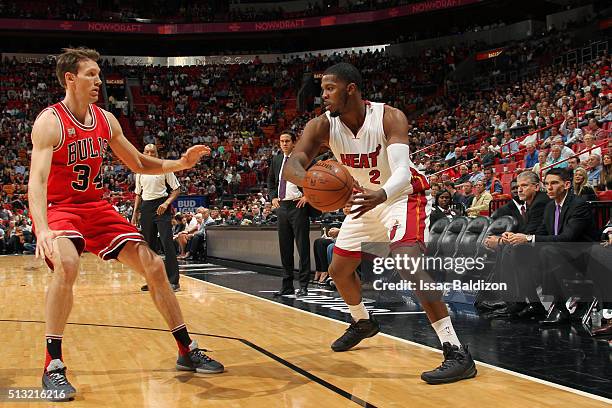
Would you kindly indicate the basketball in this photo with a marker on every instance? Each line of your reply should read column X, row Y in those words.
column 328, row 185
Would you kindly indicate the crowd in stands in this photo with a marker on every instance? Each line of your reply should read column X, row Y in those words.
column 224, row 106
column 24, row 91
column 560, row 112
column 469, row 144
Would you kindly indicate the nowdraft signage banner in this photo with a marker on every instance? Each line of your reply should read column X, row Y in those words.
column 232, row 27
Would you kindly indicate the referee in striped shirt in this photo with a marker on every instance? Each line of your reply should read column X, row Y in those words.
column 152, row 206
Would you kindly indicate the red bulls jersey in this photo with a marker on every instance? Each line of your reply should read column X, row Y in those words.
column 76, row 166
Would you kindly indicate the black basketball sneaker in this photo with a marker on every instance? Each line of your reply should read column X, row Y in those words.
column 457, row 365
column 197, row 361
column 356, row 332
column 55, row 384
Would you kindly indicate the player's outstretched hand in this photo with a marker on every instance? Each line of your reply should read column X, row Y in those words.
column 366, row 200
column 194, row 154
column 44, row 242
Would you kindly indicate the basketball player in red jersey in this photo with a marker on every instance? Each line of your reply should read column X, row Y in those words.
column 371, row 140
column 65, row 200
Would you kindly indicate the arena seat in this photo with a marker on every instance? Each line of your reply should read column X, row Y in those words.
column 604, row 195
column 506, row 180
column 447, row 243
column 510, row 167
column 601, row 210
column 497, row 202
column 435, row 232
column 506, row 223
column 496, row 227
column 471, row 238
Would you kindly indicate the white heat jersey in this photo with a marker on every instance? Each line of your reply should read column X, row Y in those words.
column 364, row 154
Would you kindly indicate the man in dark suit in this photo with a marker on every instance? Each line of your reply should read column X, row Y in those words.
column 513, row 208
column 567, row 219
column 514, row 268
column 527, row 207
column 293, row 221
column 534, row 201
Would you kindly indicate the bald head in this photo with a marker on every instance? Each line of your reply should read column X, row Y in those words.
column 150, row 150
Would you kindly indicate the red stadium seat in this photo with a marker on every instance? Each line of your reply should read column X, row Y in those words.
column 605, row 195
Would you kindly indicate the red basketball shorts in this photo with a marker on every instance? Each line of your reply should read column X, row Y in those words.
column 94, row 226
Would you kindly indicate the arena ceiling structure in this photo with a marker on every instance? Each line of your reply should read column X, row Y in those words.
column 416, row 20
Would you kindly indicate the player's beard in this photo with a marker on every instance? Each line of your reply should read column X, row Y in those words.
column 337, row 112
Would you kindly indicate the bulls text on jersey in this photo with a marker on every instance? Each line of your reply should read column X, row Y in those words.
column 83, row 149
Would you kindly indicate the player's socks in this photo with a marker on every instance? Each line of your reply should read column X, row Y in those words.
column 445, row 331
column 53, row 349
column 182, row 338
column 358, row 312
column 54, row 379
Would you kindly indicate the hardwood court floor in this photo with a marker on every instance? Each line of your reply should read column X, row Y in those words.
column 119, row 354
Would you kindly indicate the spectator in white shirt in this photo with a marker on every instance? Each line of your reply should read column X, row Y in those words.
column 589, row 142
column 594, row 169
column 571, row 133
column 498, row 124
column 495, row 146
column 477, row 173
column 509, row 145
column 565, row 151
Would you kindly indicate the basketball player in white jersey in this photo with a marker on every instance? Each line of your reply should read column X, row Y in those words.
column 371, row 140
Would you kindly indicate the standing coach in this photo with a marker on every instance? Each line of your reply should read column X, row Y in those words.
column 293, row 219
column 152, row 206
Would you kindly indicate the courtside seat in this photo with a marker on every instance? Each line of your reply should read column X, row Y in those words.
column 447, row 243
column 435, row 233
column 506, row 223
column 472, row 236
